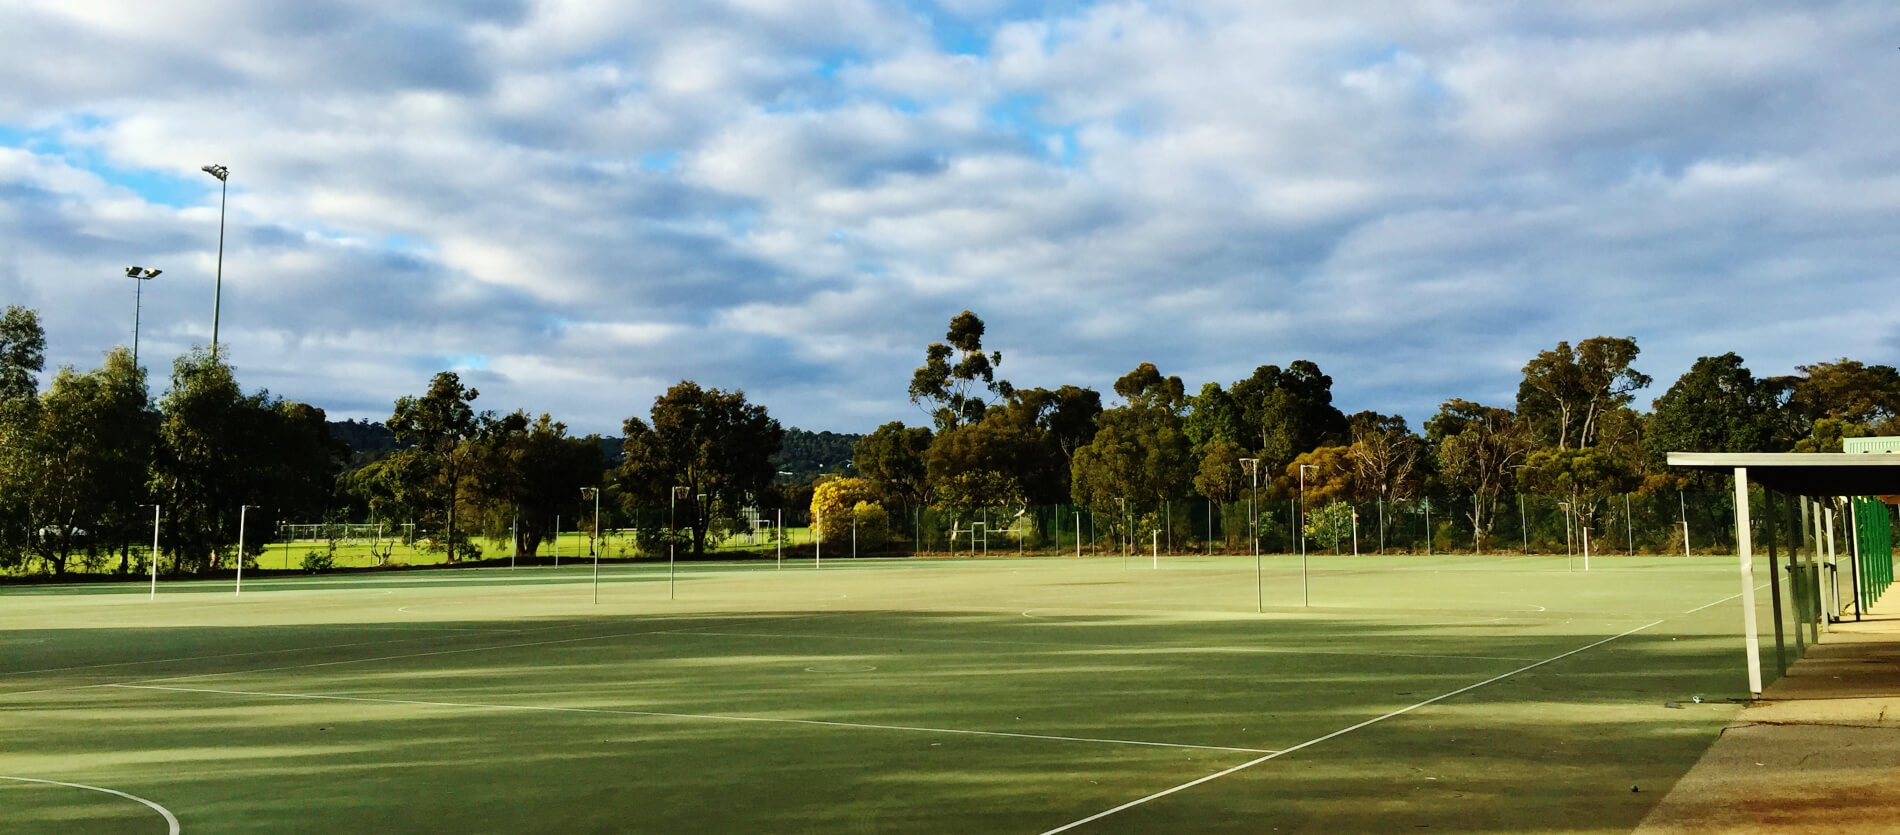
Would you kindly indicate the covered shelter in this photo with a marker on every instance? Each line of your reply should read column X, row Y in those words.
column 1820, row 485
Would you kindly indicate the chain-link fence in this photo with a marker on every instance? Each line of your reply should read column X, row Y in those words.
column 1684, row 522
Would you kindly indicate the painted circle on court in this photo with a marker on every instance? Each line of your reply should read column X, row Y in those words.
column 171, row 820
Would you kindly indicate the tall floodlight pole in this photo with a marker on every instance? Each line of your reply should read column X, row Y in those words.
column 1306, row 592
column 223, row 174
column 138, row 303
column 1253, row 525
column 154, row 595
column 242, row 510
column 595, row 545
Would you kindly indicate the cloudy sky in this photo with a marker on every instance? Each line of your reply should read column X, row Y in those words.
column 576, row 204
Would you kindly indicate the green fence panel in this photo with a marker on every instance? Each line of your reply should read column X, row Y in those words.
column 1874, row 536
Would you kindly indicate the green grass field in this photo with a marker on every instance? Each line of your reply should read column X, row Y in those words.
column 278, row 556
column 1489, row 694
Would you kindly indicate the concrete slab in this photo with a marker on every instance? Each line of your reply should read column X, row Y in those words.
column 1819, row 751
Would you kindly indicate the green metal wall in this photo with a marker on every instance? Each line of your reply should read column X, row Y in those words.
column 1874, row 531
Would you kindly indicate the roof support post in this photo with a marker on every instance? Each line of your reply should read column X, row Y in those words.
column 1835, row 609
column 1797, row 599
column 1746, row 550
column 1823, row 558
column 1853, row 553
column 1774, row 582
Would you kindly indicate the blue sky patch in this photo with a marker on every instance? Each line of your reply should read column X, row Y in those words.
column 661, row 161
column 177, row 189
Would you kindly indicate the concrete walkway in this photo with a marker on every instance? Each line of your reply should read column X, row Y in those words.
column 1818, row 752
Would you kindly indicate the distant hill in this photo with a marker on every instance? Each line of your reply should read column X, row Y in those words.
column 804, row 456
column 368, row 440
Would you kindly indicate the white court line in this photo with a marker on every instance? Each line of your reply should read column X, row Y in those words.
column 1341, row 732
column 310, row 649
column 1723, row 600
column 1084, row 647
column 171, row 821
column 200, row 657
column 457, row 651
column 704, row 716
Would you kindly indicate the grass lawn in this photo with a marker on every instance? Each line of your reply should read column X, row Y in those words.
column 1488, row 694
column 571, row 545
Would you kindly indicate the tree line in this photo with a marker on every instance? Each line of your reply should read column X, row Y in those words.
column 85, row 465
column 1573, row 434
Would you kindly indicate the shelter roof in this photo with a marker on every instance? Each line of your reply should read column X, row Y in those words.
column 1805, row 473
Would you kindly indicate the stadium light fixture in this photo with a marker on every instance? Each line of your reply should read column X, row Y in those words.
column 223, row 174
column 143, row 274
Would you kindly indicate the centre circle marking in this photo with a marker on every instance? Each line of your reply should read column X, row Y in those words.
column 171, row 820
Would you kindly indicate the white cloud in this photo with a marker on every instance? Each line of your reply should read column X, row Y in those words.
column 793, row 197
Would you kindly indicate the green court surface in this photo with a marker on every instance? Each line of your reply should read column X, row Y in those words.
column 1461, row 693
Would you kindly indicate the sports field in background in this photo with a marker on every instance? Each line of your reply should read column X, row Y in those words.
column 1454, row 693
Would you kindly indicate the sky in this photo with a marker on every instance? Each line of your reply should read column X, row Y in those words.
column 575, row 205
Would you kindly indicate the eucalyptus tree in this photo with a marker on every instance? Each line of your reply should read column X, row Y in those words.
column 1566, row 391
column 1479, row 449
column 949, row 385
column 1846, row 391
column 22, row 356
column 437, row 427
column 1718, row 406
column 1285, row 412
column 710, row 442
column 89, row 449
column 1387, row 457
column 1213, row 417
column 895, row 460
column 219, row 450
column 1140, row 452
column 531, row 470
